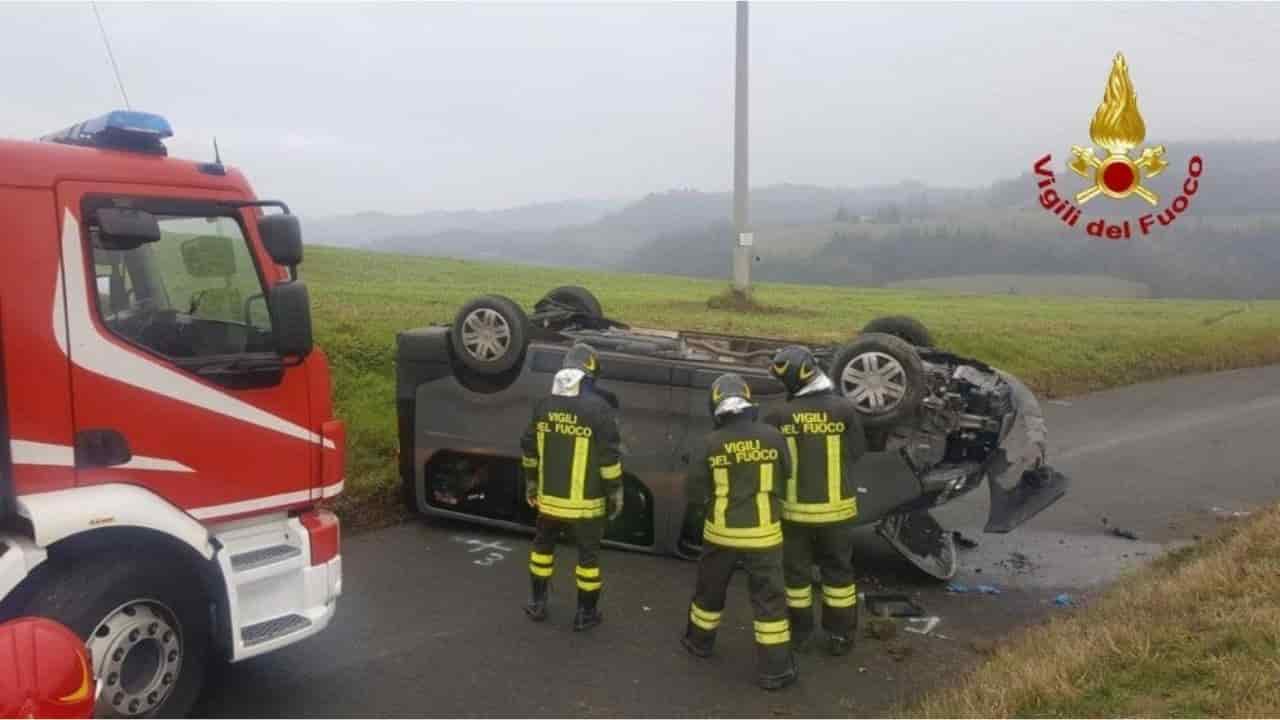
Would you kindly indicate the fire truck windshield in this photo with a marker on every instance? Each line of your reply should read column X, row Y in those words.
column 194, row 294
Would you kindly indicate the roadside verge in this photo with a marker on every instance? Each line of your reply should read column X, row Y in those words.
column 1196, row 633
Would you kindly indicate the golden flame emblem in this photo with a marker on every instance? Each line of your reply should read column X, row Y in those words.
column 1118, row 128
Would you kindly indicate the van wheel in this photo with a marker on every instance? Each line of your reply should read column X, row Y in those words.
column 883, row 376
column 903, row 327
column 578, row 298
column 489, row 334
column 146, row 628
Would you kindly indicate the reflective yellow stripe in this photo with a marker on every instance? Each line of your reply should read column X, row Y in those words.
column 703, row 619
column 611, row 472
column 773, row 632
column 833, row 468
column 754, row 538
column 581, row 448
column 721, row 478
column 593, row 504
column 801, row 597
column 708, row 615
column 746, row 532
column 588, row 586
column 792, row 483
column 529, row 462
column 587, row 573
column 541, row 570
column 762, row 498
column 840, row 597
column 541, row 558
column 542, row 443
column 821, row 512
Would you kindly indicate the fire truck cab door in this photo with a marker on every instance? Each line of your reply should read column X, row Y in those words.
column 176, row 385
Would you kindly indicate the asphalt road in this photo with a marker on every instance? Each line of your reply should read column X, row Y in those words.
column 431, row 624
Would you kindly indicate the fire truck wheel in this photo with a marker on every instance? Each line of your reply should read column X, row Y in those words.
column 146, row 626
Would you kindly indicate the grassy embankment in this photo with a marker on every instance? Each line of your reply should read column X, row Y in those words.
column 1058, row 345
column 1196, row 634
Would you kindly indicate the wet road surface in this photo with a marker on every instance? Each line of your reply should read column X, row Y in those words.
column 430, row 623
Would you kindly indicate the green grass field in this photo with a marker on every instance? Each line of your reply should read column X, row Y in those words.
column 1058, row 345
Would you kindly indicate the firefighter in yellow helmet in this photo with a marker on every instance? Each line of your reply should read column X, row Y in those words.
column 573, row 476
column 738, row 482
column 825, row 436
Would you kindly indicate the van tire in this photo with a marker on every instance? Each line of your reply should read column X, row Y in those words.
column 903, row 327
column 92, row 593
column 489, row 335
column 578, row 298
column 883, row 376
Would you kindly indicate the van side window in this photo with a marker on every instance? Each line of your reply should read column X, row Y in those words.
column 194, row 294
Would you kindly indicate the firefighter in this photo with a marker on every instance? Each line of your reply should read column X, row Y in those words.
column 573, row 476
column 740, row 476
column 825, row 438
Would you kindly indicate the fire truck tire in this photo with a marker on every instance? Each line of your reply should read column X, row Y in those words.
column 904, row 327
column 146, row 625
column 489, row 335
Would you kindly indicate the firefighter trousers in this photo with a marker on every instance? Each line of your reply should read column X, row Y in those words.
column 830, row 546
column 587, row 534
column 768, row 601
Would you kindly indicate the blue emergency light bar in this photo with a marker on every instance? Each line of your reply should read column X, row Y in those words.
column 118, row 130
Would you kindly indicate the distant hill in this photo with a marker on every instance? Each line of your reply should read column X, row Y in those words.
column 1226, row 245
column 368, row 229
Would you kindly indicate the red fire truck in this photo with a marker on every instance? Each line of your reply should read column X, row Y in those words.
column 166, row 426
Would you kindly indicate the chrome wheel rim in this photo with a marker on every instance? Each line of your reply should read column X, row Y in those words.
column 486, row 336
column 875, row 382
column 137, row 655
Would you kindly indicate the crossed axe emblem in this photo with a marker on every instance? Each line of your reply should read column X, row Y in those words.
column 1116, row 175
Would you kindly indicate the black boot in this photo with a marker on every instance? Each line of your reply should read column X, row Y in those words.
column 588, row 616
column 840, row 641
column 778, row 668
column 697, row 641
column 536, row 609
column 801, row 628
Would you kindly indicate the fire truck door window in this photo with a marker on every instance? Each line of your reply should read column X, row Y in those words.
column 194, row 294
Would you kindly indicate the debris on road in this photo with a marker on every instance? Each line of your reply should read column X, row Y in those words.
column 988, row 589
column 1064, row 600
column 964, row 541
column 957, row 588
column 1063, row 403
column 1122, row 533
column 891, row 605
column 922, row 626
column 1018, row 562
column 1225, row 514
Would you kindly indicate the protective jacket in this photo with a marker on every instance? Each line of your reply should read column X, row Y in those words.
column 572, row 450
column 739, row 479
column 825, row 437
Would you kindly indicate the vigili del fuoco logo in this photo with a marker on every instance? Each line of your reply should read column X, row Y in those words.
column 1117, row 173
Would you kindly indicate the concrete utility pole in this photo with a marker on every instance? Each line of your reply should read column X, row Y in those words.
column 742, row 247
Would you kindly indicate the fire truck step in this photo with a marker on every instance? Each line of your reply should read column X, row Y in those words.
column 267, row 630
column 263, row 556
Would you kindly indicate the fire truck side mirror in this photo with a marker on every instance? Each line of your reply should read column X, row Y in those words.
column 282, row 236
column 291, row 319
column 126, row 228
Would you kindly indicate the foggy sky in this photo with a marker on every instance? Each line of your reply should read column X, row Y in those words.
column 340, row 108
